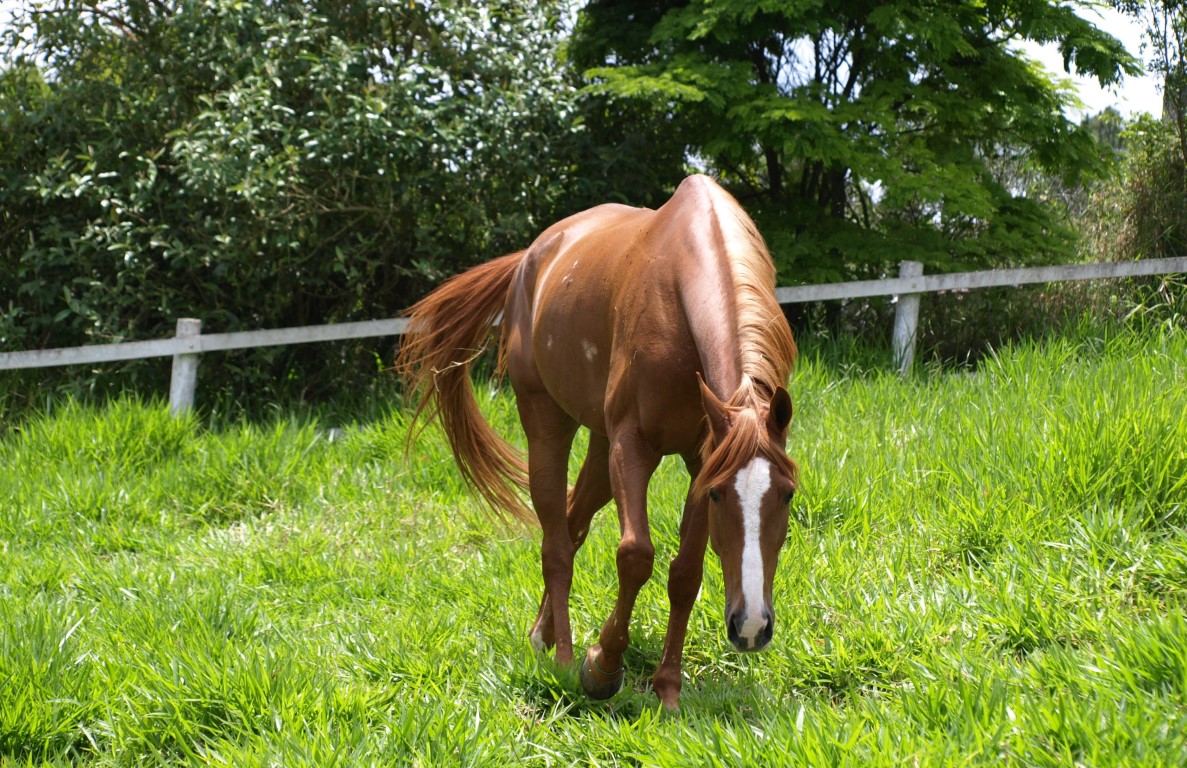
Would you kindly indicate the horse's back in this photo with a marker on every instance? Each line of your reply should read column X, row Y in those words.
column 562, row 308
column 610, row 304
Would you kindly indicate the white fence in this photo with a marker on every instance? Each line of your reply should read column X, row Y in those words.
column 189, row 342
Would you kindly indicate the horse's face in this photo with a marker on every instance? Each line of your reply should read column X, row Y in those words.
column 747, row 526
column 748, row 516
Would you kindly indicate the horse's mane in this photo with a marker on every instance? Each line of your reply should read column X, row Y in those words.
column 766, row 347
column 746, row 438
column 767, row 353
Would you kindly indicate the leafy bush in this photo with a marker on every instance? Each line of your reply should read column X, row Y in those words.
column 1143, row 214
column 266, row 165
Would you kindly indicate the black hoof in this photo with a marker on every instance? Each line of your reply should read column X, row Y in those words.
column 597, row 683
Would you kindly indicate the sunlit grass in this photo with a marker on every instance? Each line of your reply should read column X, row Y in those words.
column 982, row 567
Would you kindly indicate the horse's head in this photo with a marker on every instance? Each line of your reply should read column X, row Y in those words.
column 748, row 481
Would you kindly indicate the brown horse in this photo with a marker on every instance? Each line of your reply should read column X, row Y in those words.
column 659, row 332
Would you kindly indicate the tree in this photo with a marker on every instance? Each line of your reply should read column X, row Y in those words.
column 863, row 133
column 1143, row 213
column 1165, row 23
column 267, row 164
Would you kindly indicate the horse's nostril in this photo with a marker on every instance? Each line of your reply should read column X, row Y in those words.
column 734, row 629
column 768, row 630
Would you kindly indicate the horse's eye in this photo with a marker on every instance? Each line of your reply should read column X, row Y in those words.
column 790, row 495
column 714, row 496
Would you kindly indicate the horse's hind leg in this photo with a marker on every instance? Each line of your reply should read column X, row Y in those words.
column 590, row 493
column 550, row 436
column 631, row 464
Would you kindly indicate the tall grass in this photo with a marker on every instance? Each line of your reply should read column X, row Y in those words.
column 983, row 567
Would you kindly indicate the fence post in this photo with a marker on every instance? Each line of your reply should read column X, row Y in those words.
column 906, row 320
column 185, row 369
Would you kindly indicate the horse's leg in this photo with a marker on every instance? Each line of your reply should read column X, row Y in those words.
column 684, row 583
column 550, row 436
column 631, row 466
column 590, row 493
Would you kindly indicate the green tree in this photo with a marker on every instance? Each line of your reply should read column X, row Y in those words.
column 863, row 133
column 1143, row 213
column 267, row 164
column 1165, row 28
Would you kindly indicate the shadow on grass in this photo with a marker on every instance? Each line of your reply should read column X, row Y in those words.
column 714, row 684
column 550, row 692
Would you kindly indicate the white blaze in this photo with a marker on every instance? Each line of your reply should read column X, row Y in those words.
column 752, row 483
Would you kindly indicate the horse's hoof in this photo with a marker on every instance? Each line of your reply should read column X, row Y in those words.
column 667, row 688
column 598, row 683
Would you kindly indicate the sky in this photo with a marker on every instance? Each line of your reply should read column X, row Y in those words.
column 1135, row 95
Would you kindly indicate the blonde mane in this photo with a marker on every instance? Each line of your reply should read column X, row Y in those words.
column 746, row 438
column 766, row 350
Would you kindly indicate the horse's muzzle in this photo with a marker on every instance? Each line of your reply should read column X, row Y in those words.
column 750, row 635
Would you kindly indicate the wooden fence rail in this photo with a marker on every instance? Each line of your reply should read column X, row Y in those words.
column 190, row 343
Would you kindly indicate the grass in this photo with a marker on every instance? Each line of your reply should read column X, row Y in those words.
column 983, row 568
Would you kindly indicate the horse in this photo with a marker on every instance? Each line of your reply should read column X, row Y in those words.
column 658, row 331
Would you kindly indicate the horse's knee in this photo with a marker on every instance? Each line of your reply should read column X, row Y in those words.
column 635, row 561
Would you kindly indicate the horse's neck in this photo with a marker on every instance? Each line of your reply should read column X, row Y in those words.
column 712, row 320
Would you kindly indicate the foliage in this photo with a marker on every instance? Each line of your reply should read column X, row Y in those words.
column 983, row 569
column 863, row 134
column 290, row 163
column 1165, row 23
column 1143, row 213
column 267, row 164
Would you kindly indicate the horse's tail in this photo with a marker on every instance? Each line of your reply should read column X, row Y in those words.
column 446, row 331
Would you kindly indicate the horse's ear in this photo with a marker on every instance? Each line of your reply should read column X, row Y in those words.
column 781, row 410
column 714, row 409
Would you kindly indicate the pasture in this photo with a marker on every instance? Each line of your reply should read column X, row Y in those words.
column 982, row 568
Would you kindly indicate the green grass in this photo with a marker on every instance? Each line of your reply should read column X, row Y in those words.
column 983, row 568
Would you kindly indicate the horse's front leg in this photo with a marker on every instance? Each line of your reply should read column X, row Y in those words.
column 631, row 466
column 684, row 584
